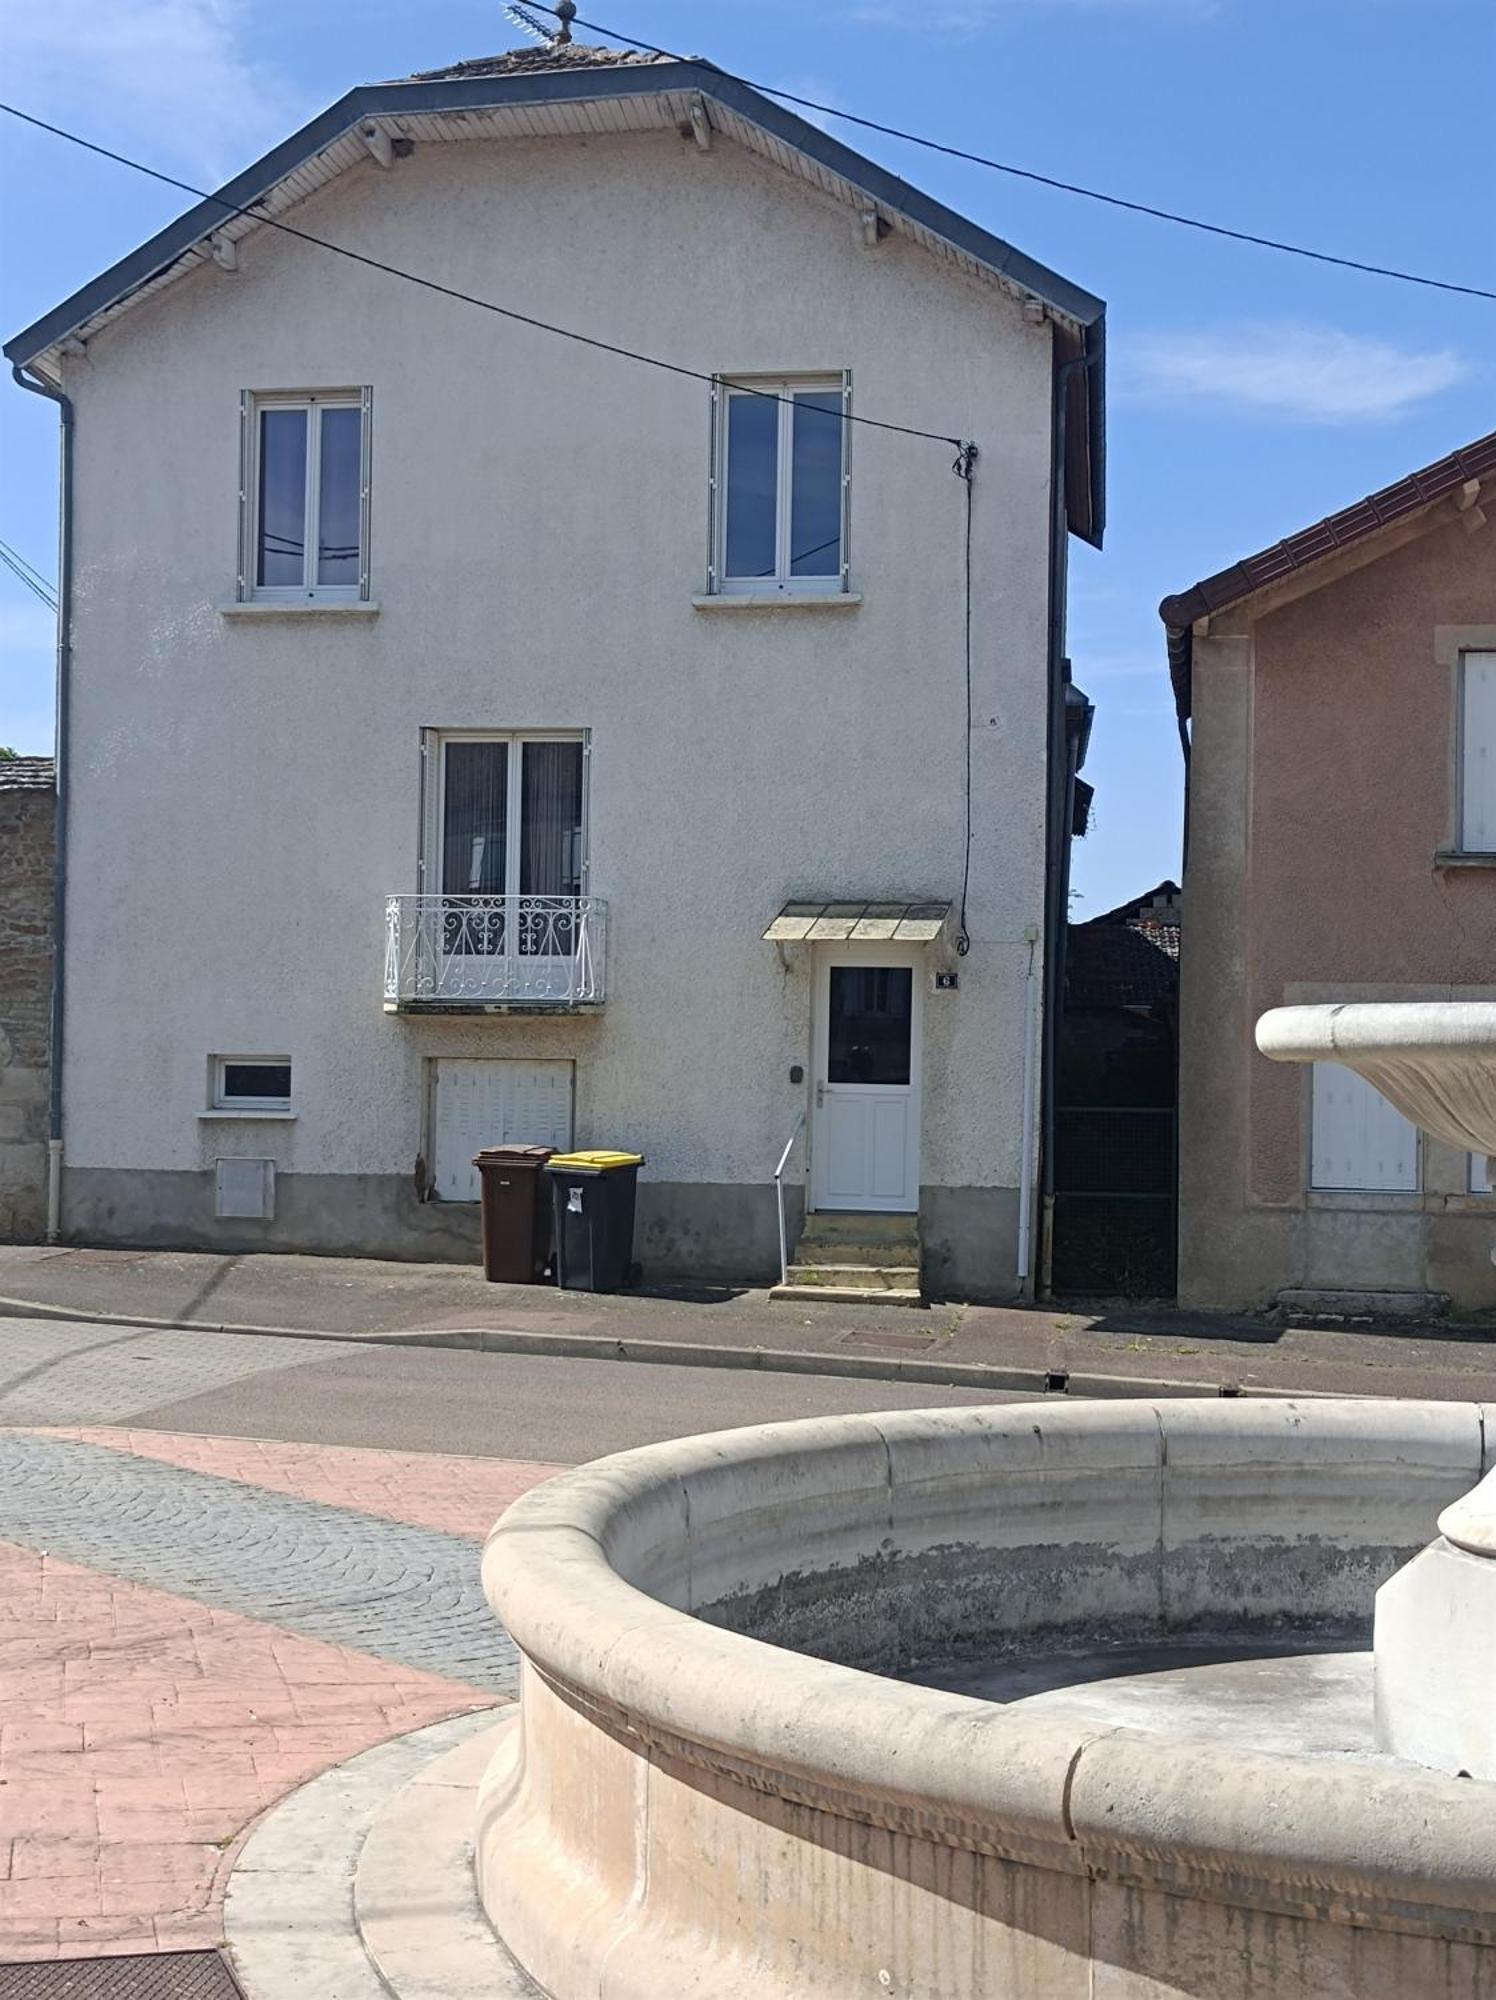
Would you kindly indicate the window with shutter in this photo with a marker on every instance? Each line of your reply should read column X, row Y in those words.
column 1360, row 1144
column 1478, row 753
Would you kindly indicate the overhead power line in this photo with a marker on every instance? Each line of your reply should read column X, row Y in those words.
column 1029, row 173
column 32, row 578
column 450, row 291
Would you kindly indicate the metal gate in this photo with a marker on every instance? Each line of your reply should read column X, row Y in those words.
column 1114, row 1199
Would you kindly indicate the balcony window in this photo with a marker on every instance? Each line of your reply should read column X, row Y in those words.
column 781, row 486
column 505, row 918
column 305, row 498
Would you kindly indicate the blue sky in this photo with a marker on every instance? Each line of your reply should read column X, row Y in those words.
column 1250, row 393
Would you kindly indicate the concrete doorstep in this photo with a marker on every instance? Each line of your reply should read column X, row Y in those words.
column 695, row 1354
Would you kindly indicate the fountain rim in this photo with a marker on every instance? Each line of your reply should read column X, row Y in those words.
column 1431, row 1030
column 1360, row 1834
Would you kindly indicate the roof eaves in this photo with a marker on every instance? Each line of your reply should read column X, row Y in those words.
column 546, row 86
column 1362, row 519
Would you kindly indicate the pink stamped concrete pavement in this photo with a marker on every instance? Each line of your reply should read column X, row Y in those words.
column 141, row 1733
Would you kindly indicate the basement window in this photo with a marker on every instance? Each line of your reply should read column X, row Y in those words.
column 251, row 1083
column 304, row 497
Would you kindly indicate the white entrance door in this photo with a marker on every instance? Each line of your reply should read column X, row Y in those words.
column 865, row 1139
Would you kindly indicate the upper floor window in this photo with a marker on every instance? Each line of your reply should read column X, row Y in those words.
column 305, row 496
column 781, row 485
column 1478, row 753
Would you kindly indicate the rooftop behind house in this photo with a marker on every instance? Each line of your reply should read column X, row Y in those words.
column 27, row 774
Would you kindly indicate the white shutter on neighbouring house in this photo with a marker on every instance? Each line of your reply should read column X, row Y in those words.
column 495, row 1102
column 1360, row 1144
column 1478, row 754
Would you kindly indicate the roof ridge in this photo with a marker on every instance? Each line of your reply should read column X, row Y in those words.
column 529, row 59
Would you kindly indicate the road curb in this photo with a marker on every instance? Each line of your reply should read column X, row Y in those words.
column 702, row 1354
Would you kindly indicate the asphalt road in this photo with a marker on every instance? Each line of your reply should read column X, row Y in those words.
column 402, row 1398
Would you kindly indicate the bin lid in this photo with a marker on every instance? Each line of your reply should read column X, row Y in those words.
column 592, row 1163
column 493, row 1156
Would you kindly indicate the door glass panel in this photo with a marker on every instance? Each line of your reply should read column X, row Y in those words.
column 281, row 557
column 550, row 848
column 475, row 809
column 869, row 1028
column 338, row 496
column 752, row 484
column 815, row 483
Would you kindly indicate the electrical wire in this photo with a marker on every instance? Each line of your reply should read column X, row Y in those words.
column 451, row 291
column 32, row 578
column 1030, row 174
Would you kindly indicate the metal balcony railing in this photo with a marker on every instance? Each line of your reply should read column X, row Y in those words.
column 475, row 951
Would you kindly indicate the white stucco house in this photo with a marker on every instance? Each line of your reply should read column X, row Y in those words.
column 471, row 733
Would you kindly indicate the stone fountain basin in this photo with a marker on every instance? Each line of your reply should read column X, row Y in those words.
column 716, row 1789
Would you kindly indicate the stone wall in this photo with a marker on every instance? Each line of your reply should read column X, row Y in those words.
column 28, row 808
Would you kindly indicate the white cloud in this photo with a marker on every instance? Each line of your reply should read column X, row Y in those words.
column 1315, row 374
column 173, row 72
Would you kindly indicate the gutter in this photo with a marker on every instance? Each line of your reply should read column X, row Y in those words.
column 1059, row 797
column 60, row 758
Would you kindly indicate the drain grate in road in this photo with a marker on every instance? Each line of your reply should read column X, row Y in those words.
column 165, row 1975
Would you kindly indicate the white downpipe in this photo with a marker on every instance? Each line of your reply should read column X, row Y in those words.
column 54, row 1189
column 1026, row 1155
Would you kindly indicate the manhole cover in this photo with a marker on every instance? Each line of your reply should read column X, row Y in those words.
column 168, row 1975
column 895, row 1343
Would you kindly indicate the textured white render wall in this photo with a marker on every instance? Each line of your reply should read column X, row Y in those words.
column 245, row 791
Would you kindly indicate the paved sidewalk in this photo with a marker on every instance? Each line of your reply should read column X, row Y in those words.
column 404, row 1594
column 378, row 1303
column 142, row 1729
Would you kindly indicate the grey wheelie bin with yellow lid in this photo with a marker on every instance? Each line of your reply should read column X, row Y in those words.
column 593, row 1208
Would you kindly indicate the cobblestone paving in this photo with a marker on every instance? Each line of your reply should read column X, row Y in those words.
column 405, row 1594
column 60, row 1371
column 457, row 1496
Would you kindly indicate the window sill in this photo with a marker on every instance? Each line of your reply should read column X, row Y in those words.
column 212, row 1117
column 779, row 600
column 1375, row 1200
column 1454, row 857
column 312, row 607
